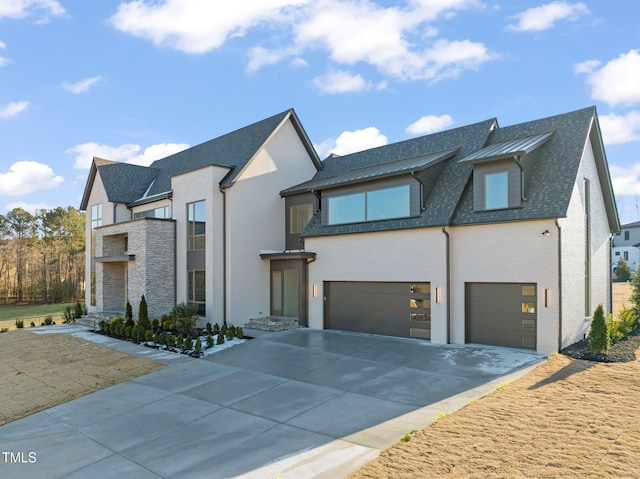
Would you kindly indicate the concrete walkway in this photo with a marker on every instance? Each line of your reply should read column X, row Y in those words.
column 295, row 404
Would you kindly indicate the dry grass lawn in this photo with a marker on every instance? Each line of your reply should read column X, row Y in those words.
column 566, row 419
column 40, row 371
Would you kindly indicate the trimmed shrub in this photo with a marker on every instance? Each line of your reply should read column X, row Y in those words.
column 216, row 328
column 239, row 332
column 168, row 325
column 622, row 326
column 171, row 340
column 143, row 315
column 185, row 316
column 69, row 315
column 48, row 321
column 155, row 324
column 187, row 344
column 32, row 325
column 230, row 333
column 599, row 339
column 220, row 338
column 135, row 333
column 209, row 328
column 148, row 335
column 128, row 312
column 102, row 324
column 78, row 310
column 197, row 347
column 128, row 331
column 209, row 341
column 179, row 341
column 19, row 323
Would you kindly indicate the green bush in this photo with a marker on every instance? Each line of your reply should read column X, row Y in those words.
column 209, row 341
column 220, row 338
column 102, row 324
column 48, row 321
column 185, row 316
column 239, row 332
column 622, row 271
column 143, row 315
column 168, row 325
column 128, row 312
column 78, row 310
column 135, row 333
column 128, row 331
column 187, row 344
column 230, row 333
column 69, row 315
column 209, row 328
column 32, row 325
column 599, row 339
column 197, row 347
column 216, row 328
column 155, row 324
column 171, row 340
column 179, row 341
column 148, row 335
column 622, row 326
column 19, row 323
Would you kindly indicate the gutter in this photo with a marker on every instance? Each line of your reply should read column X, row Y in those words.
column 516, row 158
column 422, row 199
column 448, row 282
column 559, row 285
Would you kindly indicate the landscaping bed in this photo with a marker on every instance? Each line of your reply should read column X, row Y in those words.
column 620, row 352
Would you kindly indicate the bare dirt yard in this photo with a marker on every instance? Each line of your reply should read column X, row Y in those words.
column 40, row 371
column 567, row 418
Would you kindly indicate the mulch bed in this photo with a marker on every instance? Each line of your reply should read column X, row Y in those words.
column 622, row 351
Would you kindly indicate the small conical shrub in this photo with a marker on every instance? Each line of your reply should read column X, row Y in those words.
column 220, row 338
column 143, row 315
column 197, row 347
column 129, row 313
column 209, row 341
column 599, row 339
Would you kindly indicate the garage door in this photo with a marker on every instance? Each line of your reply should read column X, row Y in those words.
column 392, row 309
column 502, row 314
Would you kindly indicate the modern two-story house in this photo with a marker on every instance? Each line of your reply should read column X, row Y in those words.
column 626, row 245
column 482, row 234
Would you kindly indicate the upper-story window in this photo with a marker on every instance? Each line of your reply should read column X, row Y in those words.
column 161, row 212
column 626, row 235
column 371, row 205
column 299, row 216
column 96, row 215
column 496, row 190
column 196, row 222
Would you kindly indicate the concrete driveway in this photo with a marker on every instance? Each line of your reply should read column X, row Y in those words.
column 295, row 404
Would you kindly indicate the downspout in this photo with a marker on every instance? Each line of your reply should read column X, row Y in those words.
column 559, row 285
column 413, row 175
column 224, row 255
column 517, row 160
column 448, row 282
column 609, row 275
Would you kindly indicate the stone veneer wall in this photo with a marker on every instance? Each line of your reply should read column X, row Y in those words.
column 152, row 272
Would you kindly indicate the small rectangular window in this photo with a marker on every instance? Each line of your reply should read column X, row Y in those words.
column 299, row 216
column 196, row 225
column 496, row 190
column 626, row 235
column 529, row 308
column 96, row 215
column 528, row 290
column 626, row 255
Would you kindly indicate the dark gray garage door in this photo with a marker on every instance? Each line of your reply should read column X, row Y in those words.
column 392, row 309
column 502, row 314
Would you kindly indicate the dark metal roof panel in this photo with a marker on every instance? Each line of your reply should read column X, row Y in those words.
column 509, row 148
column 406, row 165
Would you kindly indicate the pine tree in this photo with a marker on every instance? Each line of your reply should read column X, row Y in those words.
column 599, row 339
column 143, row 315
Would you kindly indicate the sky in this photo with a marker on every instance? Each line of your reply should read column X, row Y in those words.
column 137, row 80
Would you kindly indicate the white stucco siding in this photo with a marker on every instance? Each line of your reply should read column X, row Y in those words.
column 198, row 185
column 575, row 319
column 402, row 256
column 507, row 253
column 98, row 195
column 256, row 220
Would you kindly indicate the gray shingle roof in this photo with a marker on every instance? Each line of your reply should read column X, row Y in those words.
column 550, row 170
column 124, row 182
column 443, row 198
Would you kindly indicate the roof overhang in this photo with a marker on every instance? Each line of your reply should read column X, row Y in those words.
column 116, row 259
column 276, row 255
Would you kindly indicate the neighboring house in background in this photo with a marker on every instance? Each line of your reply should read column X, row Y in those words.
column 484, row 234
column 626, row 245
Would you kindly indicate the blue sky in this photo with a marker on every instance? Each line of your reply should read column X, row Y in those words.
column 134, row 81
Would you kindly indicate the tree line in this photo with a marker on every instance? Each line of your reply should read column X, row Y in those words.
column 42, row 256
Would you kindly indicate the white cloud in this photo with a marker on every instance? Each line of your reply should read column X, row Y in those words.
column 26, row 177
column 340, row 82
column 12, row 109
column 3, row 60
column 196, row 26
column 352, row 141
column 620, row 129
column 626, row 181
column 545, row 16
column 30, row 207
column 617, row 82
column 397, row 41
column 129, row 153
column 25, row 8
column 430, row 124
column 82, row 85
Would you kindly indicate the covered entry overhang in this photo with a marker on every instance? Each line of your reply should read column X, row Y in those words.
column 289, row 283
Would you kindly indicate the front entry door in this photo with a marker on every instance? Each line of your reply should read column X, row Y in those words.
column 289, row 289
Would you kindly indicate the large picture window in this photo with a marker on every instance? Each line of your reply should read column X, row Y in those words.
column 372, row 205
column 496, row 190
column 196, row 223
